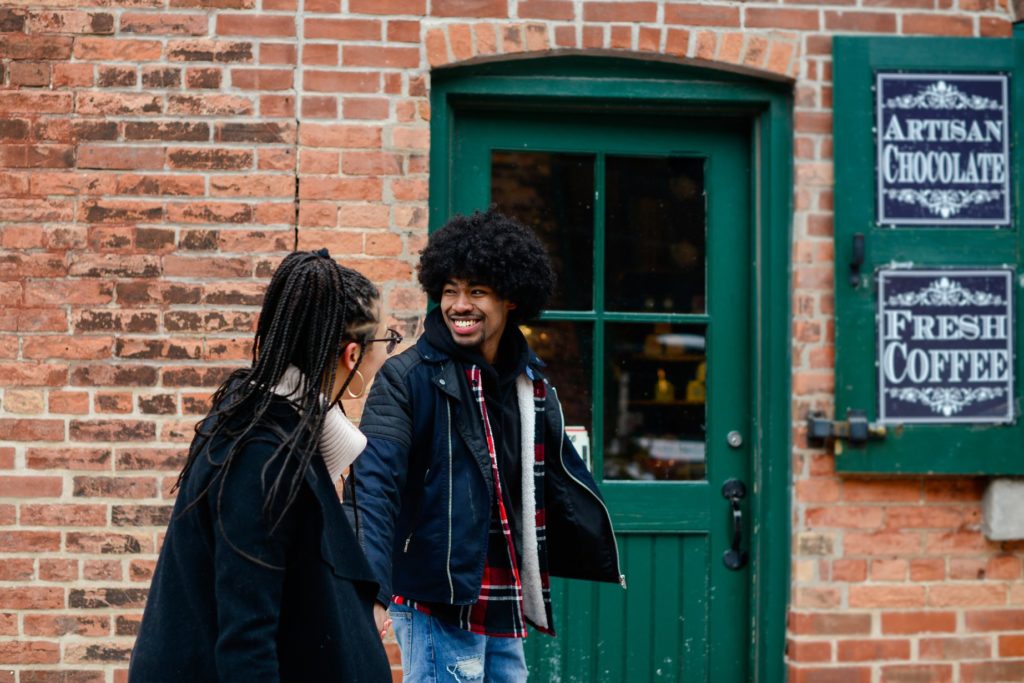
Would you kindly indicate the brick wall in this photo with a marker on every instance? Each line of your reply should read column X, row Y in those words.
column 158, row 157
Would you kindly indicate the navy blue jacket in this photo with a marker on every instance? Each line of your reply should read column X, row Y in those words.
column 424, row 487
column 215, row 615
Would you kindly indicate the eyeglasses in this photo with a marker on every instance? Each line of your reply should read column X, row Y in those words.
column 393, row 339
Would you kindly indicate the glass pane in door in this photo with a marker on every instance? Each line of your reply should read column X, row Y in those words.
column 654, row 402
column 553, row 194
column 655, row 244
column 567, row 349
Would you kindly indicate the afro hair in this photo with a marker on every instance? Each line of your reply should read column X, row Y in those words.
column 494, row 250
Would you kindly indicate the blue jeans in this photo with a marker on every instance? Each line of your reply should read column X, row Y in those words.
column 436, row 652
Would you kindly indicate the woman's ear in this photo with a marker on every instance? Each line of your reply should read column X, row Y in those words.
column 349, row 355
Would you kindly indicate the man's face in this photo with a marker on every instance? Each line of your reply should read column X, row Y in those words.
column 475, row 315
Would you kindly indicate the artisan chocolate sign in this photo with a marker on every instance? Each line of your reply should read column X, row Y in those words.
column 945, row 346
column 943, row 145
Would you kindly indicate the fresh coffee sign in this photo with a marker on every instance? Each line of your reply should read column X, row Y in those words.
column 945, row 346
column 943, row 145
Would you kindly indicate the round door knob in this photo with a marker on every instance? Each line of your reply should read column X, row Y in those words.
column 734, row 439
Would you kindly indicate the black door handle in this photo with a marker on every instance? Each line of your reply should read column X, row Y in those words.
column 733, row 490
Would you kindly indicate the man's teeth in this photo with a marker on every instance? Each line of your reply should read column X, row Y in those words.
column 464, row 323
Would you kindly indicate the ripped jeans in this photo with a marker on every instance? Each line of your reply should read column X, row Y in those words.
column 436, row 652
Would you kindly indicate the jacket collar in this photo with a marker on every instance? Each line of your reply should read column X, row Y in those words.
column 435, row 356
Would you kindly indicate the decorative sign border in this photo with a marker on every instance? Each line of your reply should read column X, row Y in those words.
column 941, row 200
column 947, row 401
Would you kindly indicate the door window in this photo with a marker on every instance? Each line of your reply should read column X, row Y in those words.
column 627, row 239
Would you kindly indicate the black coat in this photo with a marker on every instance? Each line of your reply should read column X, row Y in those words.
column 424, row 486
column 214, row 614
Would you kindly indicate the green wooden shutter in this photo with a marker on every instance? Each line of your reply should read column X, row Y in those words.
column 961, row 448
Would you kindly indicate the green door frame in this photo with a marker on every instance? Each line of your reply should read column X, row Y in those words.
column 615, row 84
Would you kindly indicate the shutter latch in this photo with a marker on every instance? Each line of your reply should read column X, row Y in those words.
column 855, row 428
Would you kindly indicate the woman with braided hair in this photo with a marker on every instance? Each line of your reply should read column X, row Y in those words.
column 260, row 577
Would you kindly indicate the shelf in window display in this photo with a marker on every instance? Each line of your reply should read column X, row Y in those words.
column 687, row 358
column 676, row 403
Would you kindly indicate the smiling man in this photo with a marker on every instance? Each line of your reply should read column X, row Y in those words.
column 469, row 495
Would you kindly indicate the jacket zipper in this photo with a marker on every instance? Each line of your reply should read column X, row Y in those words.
column 448, row 560
column 561, row 444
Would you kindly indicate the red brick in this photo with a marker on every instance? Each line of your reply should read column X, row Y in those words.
column 262, row 79
column 207, row 50
column 1011, row 646
column 29, row 74
column 111, row 430
column 851, row 571
column 250, row 24
column 881, row 490
column 907, row 623
column 938, row 25
column 164, row 23
column 342, row 29
column 56, row 625
column 389, row 7
column 30, row 486
column 19, row 46
column 70, row 402
column 12, row 429
column 341, row 81
column 677, row 42
column 29, row 652
column 115, row 487
column 797, row 19
column 35, row 102
column 63, row 515
column 36, row 156
column 702, row 15
column 28, row 542
column 917, row 673
column 385, row 57
column 995, row 27
column 546, row 9
column 886, row 596
column 321, row 55
column 107, row 543
column 209, row 159
column 842, row 516
column 58, row 570
column 955, row 648
column 278, row 53
column 853, row 20
column 966, row 595
column 466, row 8
column 872, row 650
column 829, row 624
column 68, row 458
column 117, row 50
column 955, row 543
column 1007, row 567
column 815, row 651
column 120, row 158
column 994, row 620
column 118, row 103
column 992, row 672
column 889, row 570
column 400, row 31
column 633, row 12
column 881, row 543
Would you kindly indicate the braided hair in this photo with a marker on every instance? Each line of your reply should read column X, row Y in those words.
column 313, row 307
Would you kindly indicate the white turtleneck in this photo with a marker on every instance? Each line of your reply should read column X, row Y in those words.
column 340, row 441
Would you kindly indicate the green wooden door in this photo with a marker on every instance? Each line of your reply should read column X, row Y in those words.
column 648, row 342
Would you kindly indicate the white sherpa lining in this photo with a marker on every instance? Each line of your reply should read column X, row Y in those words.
column 533, row 589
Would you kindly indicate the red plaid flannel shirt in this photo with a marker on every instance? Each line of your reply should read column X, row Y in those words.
column 499, row 609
